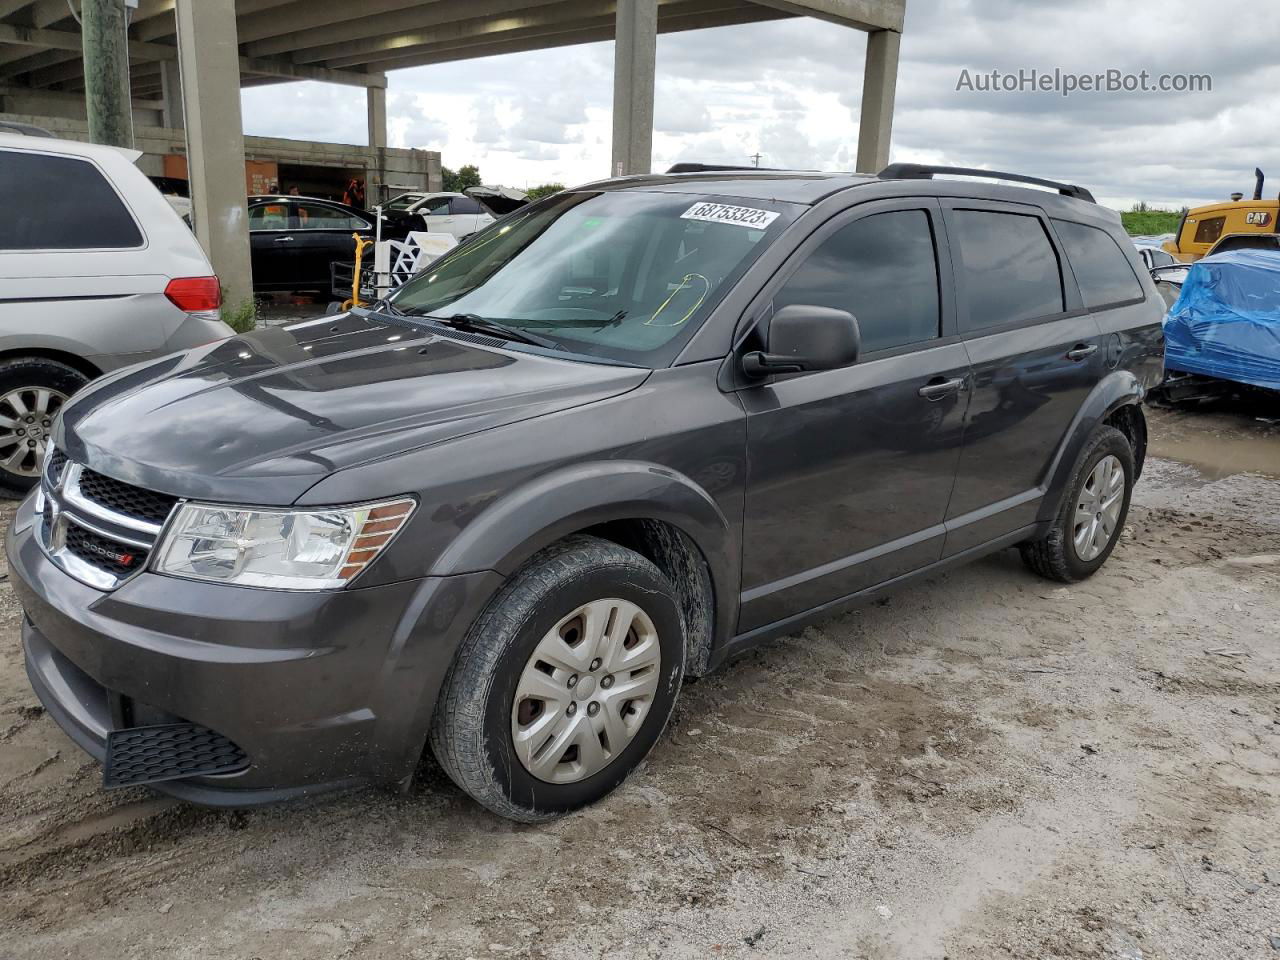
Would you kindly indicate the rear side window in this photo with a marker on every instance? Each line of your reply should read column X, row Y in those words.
column 883, row 269
column 1101, row 268
column 1009, row 268
column 60, row 203
column 464, row 205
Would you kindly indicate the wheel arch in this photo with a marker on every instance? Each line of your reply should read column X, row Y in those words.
column 72, row 360
column 1108, row 403
column 656, row 511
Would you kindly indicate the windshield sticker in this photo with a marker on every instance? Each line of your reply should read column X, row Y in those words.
column 723, row 213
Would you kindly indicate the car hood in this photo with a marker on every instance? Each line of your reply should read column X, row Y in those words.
column 262, row 417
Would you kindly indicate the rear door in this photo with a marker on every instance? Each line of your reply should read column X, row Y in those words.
column 852, row 469
column 435, row 213
column 468, row 215
column 324, row 235
column 1036, row 354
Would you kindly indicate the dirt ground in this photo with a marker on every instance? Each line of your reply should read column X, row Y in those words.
column 983, row 766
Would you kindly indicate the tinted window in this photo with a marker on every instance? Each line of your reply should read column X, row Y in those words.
column 883, row 270
column 437, row 207
column 317, row 216
column 269, row 216
column 1158, row 258
column 60, row 203
column 463, row 205
column 1010, row 270
column 1101, row 268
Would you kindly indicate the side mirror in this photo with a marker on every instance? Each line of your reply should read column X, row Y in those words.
column 803, row 338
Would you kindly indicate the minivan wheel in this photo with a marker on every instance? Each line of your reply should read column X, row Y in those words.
column 32, row 391
column 1092, row 514
column 564, row 683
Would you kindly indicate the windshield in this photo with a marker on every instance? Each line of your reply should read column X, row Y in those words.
column 403, row 202
column 624, row 275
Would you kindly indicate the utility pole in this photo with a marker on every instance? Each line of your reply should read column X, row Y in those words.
column 755, row 159
column 104, row 27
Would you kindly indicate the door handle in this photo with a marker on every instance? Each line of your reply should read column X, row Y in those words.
column 937, row 388
column 283, row 240
column 1082, row 351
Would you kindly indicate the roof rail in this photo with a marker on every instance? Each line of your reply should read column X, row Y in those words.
column 924, row 171
column 710, row 168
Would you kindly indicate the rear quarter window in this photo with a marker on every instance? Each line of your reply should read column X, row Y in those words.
column 60, row 203
column 1101, row 268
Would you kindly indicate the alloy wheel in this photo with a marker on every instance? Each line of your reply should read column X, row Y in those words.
column 585, row 690
column 1098, row 508
column 26, row 422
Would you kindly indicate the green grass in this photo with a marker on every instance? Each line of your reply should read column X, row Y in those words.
column 1150, row 222
column 242, row 318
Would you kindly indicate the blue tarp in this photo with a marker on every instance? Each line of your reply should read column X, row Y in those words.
column 1226, row 321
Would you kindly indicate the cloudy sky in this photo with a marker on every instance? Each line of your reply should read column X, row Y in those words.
column 790, row 91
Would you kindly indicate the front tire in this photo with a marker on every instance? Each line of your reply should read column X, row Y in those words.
column 564, row 683
column 1092, row 514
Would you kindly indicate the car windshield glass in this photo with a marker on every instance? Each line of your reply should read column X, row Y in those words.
column 402, row 202
column 625, row 275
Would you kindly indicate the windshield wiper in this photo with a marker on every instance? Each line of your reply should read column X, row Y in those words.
column 478, row 324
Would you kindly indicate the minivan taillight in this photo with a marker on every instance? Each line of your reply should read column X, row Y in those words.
column 201, row 295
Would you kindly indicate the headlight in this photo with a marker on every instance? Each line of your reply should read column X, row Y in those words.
column 289, row 549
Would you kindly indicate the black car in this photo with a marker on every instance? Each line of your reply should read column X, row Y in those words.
column 294, row 240
column 610, row 442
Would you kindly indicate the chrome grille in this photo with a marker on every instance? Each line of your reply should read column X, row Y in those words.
column 98, row 529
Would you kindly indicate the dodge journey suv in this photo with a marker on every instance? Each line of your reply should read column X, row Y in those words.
column 608, row 443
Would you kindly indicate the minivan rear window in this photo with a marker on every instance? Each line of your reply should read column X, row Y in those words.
column 60, row 203
column 1101, row 268
column 1009, row 268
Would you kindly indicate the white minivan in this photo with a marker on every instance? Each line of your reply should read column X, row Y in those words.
column 96, row 272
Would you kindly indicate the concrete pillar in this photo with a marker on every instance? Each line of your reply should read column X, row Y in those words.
column 376, row 100
column 171, row 95
column 210, row 63
column 634, row 53
column 105, row 36
column 879, row 84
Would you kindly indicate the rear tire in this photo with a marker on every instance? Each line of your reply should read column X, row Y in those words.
column 564, row 683
column 32, row 392
column 1092, row 514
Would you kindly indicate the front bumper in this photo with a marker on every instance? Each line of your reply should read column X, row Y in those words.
column 322, row 690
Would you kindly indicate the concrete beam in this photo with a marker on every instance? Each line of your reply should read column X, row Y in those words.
column 48, row 12
column 12, row 6
column 289, row 29
column 634, row 59
column 879, row 85
column 215, row 139
column 860, row 14
column 564, row 35
column 297, row 71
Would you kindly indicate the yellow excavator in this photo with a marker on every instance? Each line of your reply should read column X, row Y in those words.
column 1202, row 227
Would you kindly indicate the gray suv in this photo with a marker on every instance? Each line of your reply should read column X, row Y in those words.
column 610, row 442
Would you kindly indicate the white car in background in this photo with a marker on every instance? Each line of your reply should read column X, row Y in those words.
column 97, row 271
column 460, row 214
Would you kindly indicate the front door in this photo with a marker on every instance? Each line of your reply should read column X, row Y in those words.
column 851, row 470
column 272, row 245
column 1036, row 354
